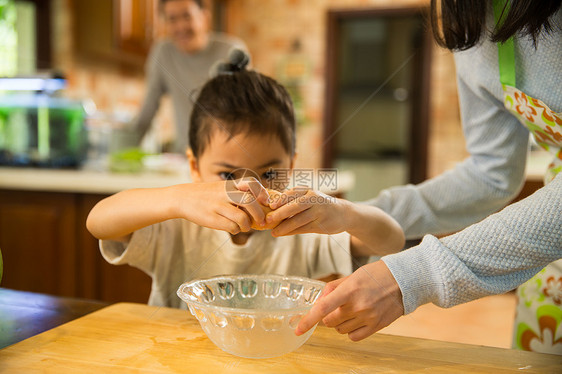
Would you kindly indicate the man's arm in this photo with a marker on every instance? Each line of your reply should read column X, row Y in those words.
column 155, row 89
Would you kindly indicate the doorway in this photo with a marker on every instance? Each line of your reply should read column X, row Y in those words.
column 377, row 97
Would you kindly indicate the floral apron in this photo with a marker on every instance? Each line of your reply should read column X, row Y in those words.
column 538, row 317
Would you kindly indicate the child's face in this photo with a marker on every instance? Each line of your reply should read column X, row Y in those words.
column 242, row 156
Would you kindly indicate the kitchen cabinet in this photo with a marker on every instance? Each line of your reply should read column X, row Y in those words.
column 136, row 23
column 119, row 31
column 36, row 239
column 46, row 248
column 122, row 31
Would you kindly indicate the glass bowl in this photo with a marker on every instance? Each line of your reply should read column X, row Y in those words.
column 252, row 316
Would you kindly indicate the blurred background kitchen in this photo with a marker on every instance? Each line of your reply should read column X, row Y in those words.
column 375, row 98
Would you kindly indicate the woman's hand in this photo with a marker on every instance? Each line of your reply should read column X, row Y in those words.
column 358, row 305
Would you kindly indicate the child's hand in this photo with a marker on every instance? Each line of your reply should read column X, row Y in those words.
column 245, row 191
column 221, row 205
column 273, row 196
column 301, row 211
column 226, row 205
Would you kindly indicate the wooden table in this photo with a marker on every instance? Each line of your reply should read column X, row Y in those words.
column 138, row 338
column 25, row 314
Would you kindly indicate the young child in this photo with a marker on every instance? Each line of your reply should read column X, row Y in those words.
column 242, row 120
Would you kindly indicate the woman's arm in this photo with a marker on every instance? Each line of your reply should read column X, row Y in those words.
column 488, row 179
column 491, row 257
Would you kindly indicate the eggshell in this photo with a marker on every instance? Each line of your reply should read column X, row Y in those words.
column 266, row 209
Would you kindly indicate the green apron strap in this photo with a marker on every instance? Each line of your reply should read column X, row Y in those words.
column 506, row 51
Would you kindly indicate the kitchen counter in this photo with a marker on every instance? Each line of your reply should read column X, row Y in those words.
column 107, row 183
column 139, row 338
column 85, row 181
column 104, row 182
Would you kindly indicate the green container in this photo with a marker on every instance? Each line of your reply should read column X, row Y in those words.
column 39, row 130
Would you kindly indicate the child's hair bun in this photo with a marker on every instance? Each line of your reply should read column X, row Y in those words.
column 237, row 61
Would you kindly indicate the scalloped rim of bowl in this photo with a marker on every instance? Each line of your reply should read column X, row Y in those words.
column 229, row 310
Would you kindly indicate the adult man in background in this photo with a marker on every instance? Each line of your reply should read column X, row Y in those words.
column 180, row 64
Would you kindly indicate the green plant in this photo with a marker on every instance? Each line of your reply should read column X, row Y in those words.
column 8, row 36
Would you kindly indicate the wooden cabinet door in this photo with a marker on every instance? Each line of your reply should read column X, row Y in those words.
column 37, row 239
column 115, row 32
column 46, row 248
column 136, row 21
column 94, row 29
column 98, row 279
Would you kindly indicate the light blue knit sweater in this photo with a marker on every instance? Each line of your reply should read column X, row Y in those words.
column 507, row 248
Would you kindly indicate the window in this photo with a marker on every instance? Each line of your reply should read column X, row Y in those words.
column 25, row 35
